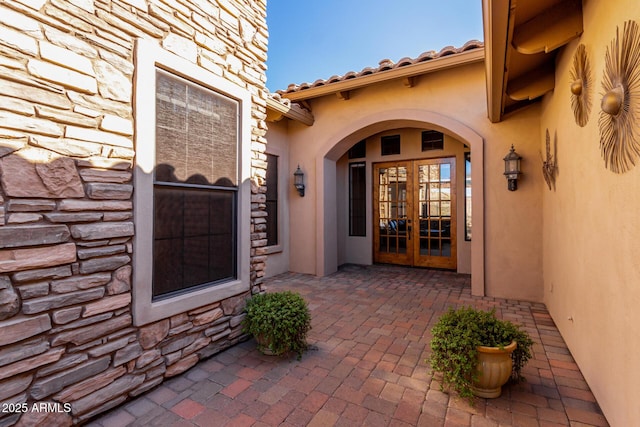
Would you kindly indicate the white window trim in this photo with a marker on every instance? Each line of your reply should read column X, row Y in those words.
column 149, row 56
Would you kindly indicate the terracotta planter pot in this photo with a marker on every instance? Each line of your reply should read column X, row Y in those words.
column 264, row 345
column 494, row 367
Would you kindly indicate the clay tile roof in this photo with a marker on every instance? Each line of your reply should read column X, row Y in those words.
column 367, row 71
column 385, row 65
column 426, row 56
column 446, row 51
column 405, row 61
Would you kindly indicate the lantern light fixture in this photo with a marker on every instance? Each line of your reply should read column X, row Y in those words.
column 512, row 168
column 298, row 181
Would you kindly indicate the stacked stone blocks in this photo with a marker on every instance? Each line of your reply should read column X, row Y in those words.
column 66, row 211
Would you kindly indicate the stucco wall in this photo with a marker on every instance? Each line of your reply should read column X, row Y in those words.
column 592, row 233
column 513, row 220
column 278, row 256
column 66, row 208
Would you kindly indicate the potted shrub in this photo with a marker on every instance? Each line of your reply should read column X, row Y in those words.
column 279, row 321
column 463, row 348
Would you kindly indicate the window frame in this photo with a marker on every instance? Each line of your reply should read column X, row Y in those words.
column 149, row 57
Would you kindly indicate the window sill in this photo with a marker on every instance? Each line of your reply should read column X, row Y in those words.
column 148, row 312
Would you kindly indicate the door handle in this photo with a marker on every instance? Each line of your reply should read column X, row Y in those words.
column 409, row 231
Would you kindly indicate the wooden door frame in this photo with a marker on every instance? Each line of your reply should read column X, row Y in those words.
column 412, row 257
column 407, row 259
column 450, row 262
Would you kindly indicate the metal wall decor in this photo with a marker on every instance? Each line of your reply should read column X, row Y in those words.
column 549, row 165
column 619, row 139
column 581, row 86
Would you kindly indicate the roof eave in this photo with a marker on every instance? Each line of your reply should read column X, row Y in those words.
column 495, row 15
column 430, row 66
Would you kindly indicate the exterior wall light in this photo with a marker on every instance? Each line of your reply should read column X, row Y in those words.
column 298, row 181
column 512, row 168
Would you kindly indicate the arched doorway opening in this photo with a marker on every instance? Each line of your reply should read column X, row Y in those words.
column 330, row 176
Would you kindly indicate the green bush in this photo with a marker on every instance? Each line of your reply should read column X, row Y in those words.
column 279, row 321
column 456, row 337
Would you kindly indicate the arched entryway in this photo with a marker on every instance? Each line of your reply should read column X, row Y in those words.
column 337, row 144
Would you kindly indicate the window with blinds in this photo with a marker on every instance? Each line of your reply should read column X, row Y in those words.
column 195, row 186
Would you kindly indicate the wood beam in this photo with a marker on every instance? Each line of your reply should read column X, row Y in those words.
column 276, row 110
column 409, row 81
column 274, row 116
column 532, row 85
column 344, row 95
column 552, row 28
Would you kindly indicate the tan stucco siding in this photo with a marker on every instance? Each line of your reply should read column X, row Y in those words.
column 592, row 233
column 454, row 102
column 277, row 145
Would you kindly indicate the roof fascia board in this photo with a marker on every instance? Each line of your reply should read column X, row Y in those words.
column 430, row 66
column 495, row 15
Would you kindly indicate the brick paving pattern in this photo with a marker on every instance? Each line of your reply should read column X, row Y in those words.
column 370, row 339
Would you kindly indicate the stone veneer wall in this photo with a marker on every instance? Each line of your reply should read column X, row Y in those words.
column 66, row 227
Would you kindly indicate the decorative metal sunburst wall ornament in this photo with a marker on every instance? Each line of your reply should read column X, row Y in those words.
column 619, row 139
column 581, row 86
column 549, row 165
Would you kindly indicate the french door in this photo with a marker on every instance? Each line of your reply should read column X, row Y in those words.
column 415, row 213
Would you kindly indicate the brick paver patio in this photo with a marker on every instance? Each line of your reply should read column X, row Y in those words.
column 370, row 339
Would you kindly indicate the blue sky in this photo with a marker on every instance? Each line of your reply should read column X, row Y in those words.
column 315, row 39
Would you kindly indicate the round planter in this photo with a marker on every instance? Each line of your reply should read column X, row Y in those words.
column 494, row 368
column 264, row 345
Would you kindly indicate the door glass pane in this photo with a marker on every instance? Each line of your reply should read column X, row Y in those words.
column 434, row 173
column 445, row 172
column 402, row 209
column 402, row 245
column 434, row 209
column 434, row 191
column 445, row 208
column 445, row 189
column 424, row 245
column 422, row 212
column 434, row 247
column 446, row 247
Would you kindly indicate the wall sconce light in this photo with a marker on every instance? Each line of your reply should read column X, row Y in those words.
column 298, row 181
column 512, row 168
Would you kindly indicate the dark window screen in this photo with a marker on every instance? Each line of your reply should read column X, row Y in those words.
column 390, row 145
column 359, row 150
column 432, row 140
column 357, row 199
column 194, row 238
column 272, row 200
